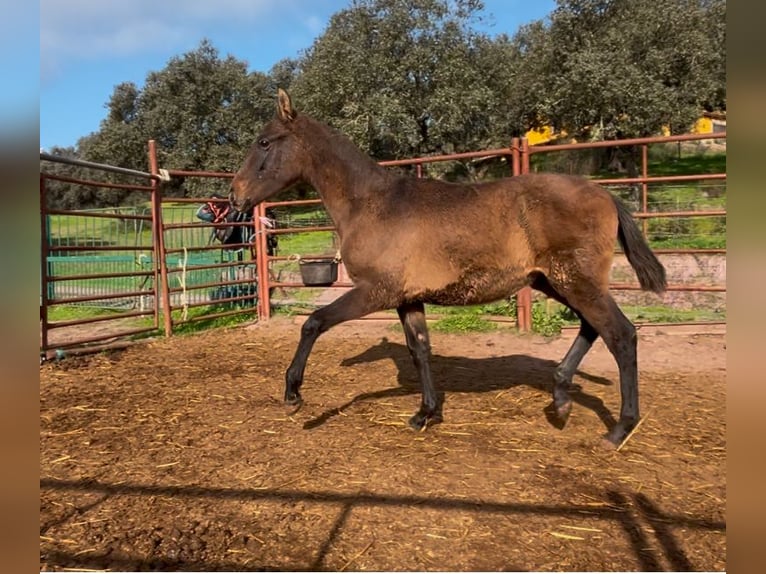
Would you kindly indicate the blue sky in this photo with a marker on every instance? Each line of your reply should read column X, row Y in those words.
column 18, row 65
column 87, row 47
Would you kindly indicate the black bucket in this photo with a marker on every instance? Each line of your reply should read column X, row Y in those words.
column 318, row 272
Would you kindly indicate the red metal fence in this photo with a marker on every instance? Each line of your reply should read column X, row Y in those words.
column 68, row 260
column 102, row 286
column 519, row 154
column 170, row 257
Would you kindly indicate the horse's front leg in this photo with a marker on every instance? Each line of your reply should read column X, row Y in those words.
column 353, row 304
column 413, row 318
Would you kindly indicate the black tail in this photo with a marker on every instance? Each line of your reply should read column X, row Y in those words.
column 650, row 272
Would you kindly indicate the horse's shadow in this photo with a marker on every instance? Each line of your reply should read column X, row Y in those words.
column 467, row 375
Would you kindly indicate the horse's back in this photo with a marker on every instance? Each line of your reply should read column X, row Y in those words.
column 514, row 217
column 470, row 243
column 541, row 211
column 564, row 209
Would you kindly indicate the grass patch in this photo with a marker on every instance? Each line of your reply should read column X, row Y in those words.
column 76, row 312
column 463, row 323
column 196, row 322
column 658, row 314
column 693, row 164
column 664, row 241
column 308, row 243
column 549, row 317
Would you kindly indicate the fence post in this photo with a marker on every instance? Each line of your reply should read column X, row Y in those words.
column 524, row 296
column 158, row 235
column 45, row 285
column 645, row 188
column 262, row 263
column 515, row 156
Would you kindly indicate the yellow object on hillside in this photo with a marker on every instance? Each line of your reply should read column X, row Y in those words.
column 708, row 123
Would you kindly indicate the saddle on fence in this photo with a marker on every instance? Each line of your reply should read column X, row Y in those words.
column 218, row 210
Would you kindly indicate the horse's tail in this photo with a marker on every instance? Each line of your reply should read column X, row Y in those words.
column 650, row 272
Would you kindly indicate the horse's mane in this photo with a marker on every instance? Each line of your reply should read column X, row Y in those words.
column 324, row 137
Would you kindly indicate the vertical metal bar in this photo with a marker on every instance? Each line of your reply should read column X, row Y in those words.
column 524, row 296
column 262, row 263
column 515, row 157
column 51, row 290
column 645, row 189
column 419, row 170
column 158, row 237
column 44, row 252
column 524, row 155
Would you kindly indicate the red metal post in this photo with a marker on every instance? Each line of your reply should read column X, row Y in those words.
column 645, row 188
column 525, row 155
column 262, row 263
column 524, row 296
column 43, row 266
column 158, row 234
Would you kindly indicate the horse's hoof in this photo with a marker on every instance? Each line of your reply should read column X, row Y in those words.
column 619, row 434
column 607, row 444
column 418, row 422
column 564, row 410
column 558, row 414
column 614, row 437
column 293, row 401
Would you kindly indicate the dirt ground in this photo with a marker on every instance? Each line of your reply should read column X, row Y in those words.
column 178, row 455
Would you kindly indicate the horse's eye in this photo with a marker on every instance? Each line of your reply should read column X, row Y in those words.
column 264, row 143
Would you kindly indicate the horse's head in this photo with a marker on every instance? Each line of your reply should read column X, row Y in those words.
column 274, row 162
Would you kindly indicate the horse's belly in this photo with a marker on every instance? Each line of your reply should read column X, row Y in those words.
column 477, row 288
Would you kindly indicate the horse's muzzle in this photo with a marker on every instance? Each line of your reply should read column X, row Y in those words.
column 237, row 204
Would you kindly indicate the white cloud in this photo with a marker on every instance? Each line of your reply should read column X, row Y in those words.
column 76, row 30
column 102, row 29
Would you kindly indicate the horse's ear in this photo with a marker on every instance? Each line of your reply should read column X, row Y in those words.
column 285, row 109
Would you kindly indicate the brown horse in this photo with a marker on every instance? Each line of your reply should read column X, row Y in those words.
column 408, row 241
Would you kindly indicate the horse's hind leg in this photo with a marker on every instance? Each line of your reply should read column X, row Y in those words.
column 562, row 377
column 413, row 318
column 599, row 309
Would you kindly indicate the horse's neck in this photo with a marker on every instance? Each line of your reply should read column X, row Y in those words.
column 345, row 178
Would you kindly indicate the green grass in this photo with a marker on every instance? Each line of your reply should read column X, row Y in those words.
column 84, row 230
column 660, row 314
column 307, row 243
column 690, row 232
column 468, row 319
column 713, row 241
column 195, row 321
column 694, row 164
column 463, row 323
column 76, row 312
column 550, row 317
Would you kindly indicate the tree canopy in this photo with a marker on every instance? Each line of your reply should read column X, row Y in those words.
column 405, row 78
column 626, row 68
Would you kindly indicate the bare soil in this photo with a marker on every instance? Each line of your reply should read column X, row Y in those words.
column 178, row 455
